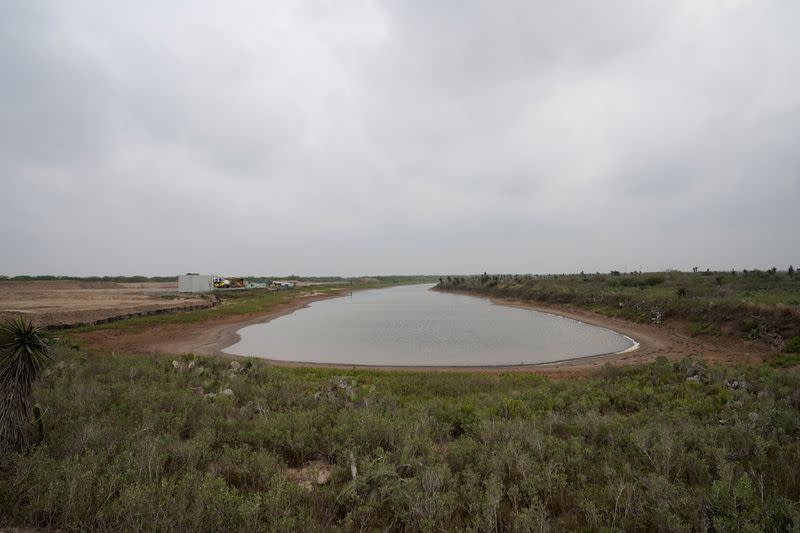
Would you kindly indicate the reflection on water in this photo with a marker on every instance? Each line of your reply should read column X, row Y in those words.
column 413, row 326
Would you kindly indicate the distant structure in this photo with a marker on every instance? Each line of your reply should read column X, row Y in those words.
column 192, row 282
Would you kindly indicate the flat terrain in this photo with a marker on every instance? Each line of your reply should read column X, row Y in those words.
column 131, row 439
column 151, row 442
column 51, row 303
column 207, row 332
column 682, row 331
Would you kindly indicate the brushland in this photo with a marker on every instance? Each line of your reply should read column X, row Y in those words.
column 165, row 442
column 154, row 442
column 745, row 304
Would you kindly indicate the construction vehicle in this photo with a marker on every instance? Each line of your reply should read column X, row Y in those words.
column 221, row 282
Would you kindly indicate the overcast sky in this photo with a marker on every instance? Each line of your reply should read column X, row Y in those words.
column 351, row 138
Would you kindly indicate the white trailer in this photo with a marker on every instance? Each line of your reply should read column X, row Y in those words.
column 195, row 283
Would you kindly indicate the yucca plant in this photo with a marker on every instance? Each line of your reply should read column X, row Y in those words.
column 23, row 353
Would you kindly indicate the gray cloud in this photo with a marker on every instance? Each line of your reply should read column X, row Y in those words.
column 378, row 137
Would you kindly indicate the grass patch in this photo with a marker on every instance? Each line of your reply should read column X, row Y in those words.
column 785, row 360
column 152, row 442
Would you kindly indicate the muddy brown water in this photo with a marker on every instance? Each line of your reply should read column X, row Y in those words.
column 414, row 326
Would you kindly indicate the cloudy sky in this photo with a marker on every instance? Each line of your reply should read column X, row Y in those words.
column 361, row 137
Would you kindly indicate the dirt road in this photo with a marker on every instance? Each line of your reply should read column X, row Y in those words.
column 59, row 303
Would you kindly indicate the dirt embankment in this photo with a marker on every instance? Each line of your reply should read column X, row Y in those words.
column 61, row 303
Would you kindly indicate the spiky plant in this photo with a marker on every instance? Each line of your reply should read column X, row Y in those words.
column 23, row 353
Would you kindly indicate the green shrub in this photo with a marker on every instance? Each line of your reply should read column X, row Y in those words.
column 792, row 345
column 129, row 444
column 785, row 360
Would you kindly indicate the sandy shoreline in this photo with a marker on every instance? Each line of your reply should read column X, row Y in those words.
column 202, row 338
column 651, row 341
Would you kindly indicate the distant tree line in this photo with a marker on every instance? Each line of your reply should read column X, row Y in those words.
column 652, row 278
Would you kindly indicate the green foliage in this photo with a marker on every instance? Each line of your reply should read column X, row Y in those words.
column 23, row 353
column 792, row 345
column 137, row 442
column 756, row 305
column 652, row 281
column 785, row 360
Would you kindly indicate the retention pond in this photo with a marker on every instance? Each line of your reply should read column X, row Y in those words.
column 414, row 326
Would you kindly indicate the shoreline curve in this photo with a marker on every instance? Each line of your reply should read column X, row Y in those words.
column 234, row 337
column 670, row 340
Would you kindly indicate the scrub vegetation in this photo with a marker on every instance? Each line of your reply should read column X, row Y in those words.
column 210, row 444
column 750, row 304
column 159, row 442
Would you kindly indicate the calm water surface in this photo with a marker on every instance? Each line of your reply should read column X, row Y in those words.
column 413, row 326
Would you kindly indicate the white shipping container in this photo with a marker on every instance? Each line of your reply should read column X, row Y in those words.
column 195, row 283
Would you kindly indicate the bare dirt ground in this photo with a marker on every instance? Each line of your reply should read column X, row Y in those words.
column 59, row 303
column 202, row 338
column 670, row 341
